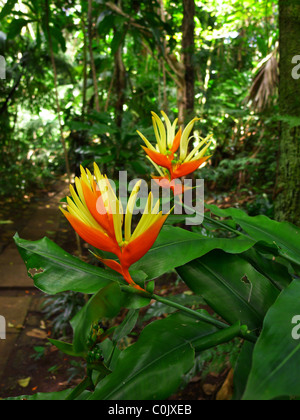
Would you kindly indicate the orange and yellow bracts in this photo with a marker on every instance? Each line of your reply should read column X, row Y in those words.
column 171, row 151
column 97, row 216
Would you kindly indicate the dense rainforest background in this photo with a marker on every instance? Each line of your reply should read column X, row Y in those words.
column 78, row 78
column 83, row 76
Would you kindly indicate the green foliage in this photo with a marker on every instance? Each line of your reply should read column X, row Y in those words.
column 245, row 268
column 214, row 360
column 227, row 51
column 277, row 353
column 60, row 310
column 244, row 287
column 39, row 353
column 232, row 283
column 54, row 270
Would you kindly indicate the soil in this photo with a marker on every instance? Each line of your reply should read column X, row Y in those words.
column 46, row 372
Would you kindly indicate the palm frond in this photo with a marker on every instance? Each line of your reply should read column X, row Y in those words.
column 265, row 83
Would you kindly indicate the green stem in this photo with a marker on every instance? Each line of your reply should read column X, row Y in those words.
column 195, row 314
column 203, row 317
column 217, row 222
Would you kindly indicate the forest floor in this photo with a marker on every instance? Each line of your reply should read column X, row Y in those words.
column 28, row 363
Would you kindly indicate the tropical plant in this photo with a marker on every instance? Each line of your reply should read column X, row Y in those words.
column 250, row 278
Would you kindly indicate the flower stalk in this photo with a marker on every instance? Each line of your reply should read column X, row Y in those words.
column 244, row 333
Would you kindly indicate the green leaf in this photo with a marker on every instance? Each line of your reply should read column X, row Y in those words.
column 57, row 271
column 117, row 40
column 127, row 325
column 230, row 286
column 284, row 235
column 152, row 367
column 242, row 370
column 66, row 348
column 7, row 8
column 176, row 247
column 276, row 357
column 277, row 273
column 58, row 36
column 105, row 304
column 110, row 353
column 16, row 26
column 105, row 23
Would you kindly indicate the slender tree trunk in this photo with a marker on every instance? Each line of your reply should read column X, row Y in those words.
column 287, row 203
column 188, row 51
column 162, row 65
column 110, row 90
column 84, row 86
column 120, row 84
column 92, row 60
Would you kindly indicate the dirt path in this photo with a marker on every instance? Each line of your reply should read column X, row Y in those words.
column 19, row 300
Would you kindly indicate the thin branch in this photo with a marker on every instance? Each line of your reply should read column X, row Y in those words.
column 93, row 66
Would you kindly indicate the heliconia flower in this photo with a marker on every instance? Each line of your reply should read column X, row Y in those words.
column 166, row 155
column 96, row 215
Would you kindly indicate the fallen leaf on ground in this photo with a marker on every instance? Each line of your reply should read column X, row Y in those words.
column 24, row 382
column 37, row 334
column 226, row 392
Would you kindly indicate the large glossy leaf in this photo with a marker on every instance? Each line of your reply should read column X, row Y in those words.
column 277, row 273
column 260, row 228
column 176, row 247
column 105, row 304
column 54, row 270
column 57, row 271
column 231, row 286
column 276, row 357
column 152, row 368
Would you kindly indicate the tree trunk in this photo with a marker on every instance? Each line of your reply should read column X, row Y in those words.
column 84, row 86
column 120, row 84
column 188, row 51
column 93, row 66
column 287, row 204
